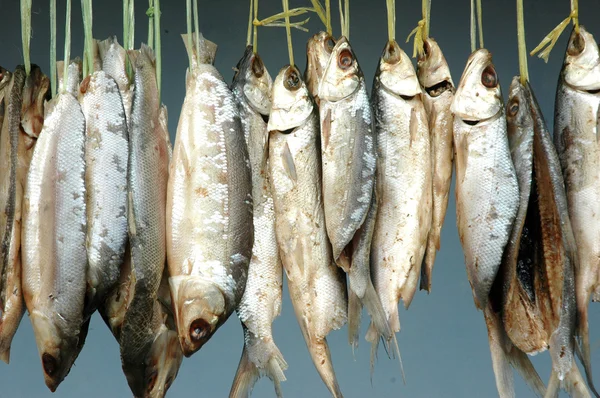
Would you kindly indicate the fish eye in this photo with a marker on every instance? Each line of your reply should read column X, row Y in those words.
column 345, row 59
column 258, row 68
column 199, row 329
column 151, row 381
column 576, row 46
column 292, row 80
column 489, row 78
column 513, row 107
column 329, row 44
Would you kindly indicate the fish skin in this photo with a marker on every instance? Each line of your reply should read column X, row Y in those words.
column 113, row 58
column 576, row 123
column 147, row 176
column 261, row 302
column 487, row 191
column 318, row 52
column 438, row 93
column 210, row 185
column 106, row 154
column 561, row 278
column 53, row 236
column 294, row 165
column 404, row 182
column 11, row 193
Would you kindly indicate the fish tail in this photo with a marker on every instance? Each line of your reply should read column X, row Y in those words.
column 354, row 315
column 582, row 348
column 246, row 376
column 319, row 351
column 500, row 362
column 519, row 360
column 427, row 268
column 373, row 337
column 5, row 354
column 553, row 386
column 574, row 383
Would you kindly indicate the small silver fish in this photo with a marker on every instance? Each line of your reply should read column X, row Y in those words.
column 209, row 205
column 261, row 302
column 53, row 236
column 315, row 283
column 438, row 93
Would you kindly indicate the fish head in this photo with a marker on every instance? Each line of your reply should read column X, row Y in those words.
column 478, row 96
column 4, row 77
column 517, row 109
column 432, row 69
column 256, row 82
column 342, row 75
column 396, row 72
column 581, row 67
column 165, row 360
column 200, row 308
column 57, row 352
column 292, row 103
column 318, row 51
column 35, row 94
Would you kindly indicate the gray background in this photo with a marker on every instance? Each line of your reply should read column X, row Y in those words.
column 443, row 339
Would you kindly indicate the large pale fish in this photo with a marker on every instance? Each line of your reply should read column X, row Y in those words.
column 53, row 236
column 348, row 162
column 261, row 302
column 107, row 154
column 113, row 58
column 315, row 283
column 147, row 176
column 487, row 193
column 318, row 52
column 576, row 137
column 403, row 187
column 209, row 205
column 438, row 92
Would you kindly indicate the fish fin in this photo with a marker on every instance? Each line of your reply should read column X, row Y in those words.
column 413, row 126
column 553, row 386
column 104, row 46
column 373, row 337
column 500, row 362
column 354, row 315
column 321, row 356
column 133, row 56
column 522, row 364
column 288, row 163
column 326, row 128
column 246, row 376
column 583, row 351
column 5, row 355
column 427, row 268
column 208, row 49
column 574, row 383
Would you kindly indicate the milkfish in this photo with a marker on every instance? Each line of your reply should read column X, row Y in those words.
column 113, row 59
column 147, row 176
column 209, row 205
column 316, row 284
column 318, row 50
column 403, row 186
column 576, row 123
column 438, row 92
column 261, row 302
column 53, row 234
column 348, row 156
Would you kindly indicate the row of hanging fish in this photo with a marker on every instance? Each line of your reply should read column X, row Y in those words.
column 304, row 173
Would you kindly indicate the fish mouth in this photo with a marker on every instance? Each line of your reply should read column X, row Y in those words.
column 438, row 89
column 475, row 122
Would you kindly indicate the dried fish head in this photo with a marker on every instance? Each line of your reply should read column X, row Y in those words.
column 396, row 72
column 432, row 67
column 256, row 81
column 342, row 74
column 292, row 105
column 318, row 51
column 582, row 62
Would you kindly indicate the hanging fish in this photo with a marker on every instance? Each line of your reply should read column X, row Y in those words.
column 403, row 183
column 318, row 51
column 261, row 302
column 209, row 205
column 576, row 123
column 147, row 176
column 315, row 283
column 53, row 236
column 106, row 154
column 113, row 58
column 438, row 92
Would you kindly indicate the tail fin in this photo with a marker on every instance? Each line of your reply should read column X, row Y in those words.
column 354, row 315
column 319, row 351
column 582, row 348
column 245, row 377
column 502, row 370
column 374, row 335
column 519, row 360
column 433, row 245
column 573, row 384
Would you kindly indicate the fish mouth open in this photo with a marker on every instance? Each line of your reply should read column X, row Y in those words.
column 475, row 122
column 438, row 89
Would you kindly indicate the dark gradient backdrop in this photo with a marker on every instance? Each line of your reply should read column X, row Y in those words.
column 443, row 339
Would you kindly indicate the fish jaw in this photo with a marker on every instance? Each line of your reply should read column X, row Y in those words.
column 342, row 75
column 582, row 61
column 292, row 107
column 318, row 51
column 255, row 80
column 396, row 72
column 432, row 68
column 55, row 357
column 200, row 308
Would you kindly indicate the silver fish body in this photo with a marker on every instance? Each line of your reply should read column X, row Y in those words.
column 487, row 192
column 209, row 206
column 315, row 283
column 107, row 153
column 404, row 188
column 113, row 58
column 147, row 175
column 53, row 236
column 261, row 302
column 576, row 124
column 438, row 93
